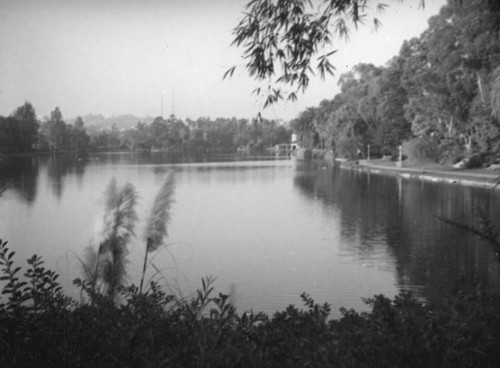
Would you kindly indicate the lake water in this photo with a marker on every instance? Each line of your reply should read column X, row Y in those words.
column 268, row 229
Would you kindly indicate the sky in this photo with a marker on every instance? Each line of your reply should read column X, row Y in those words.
column 114, row 57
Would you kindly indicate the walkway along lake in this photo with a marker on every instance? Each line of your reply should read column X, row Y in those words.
column 268, row 229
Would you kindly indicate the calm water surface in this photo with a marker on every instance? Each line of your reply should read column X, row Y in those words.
column 267, row 229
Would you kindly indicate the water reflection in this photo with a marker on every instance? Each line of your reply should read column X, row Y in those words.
column 20, row 175
column 58, row 168
column 161, row 158
column 393, row 217
column 269, row 228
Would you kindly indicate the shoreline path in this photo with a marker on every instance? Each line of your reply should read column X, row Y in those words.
column 433, row 172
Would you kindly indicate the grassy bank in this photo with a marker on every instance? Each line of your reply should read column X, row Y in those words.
column 41, row 327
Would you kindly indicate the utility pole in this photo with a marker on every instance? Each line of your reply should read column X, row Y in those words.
column 173, row 101
column 161, row 104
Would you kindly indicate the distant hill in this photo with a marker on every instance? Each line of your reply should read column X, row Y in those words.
column 120, row 121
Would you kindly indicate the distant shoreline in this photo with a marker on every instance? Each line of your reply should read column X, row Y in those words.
column 434, row 173
column 25, row 154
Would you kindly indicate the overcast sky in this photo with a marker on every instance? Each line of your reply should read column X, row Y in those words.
column 115, row 57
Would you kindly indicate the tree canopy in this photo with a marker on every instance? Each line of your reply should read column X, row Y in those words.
column 286, row 42
column 18, row 132
column 442, row 89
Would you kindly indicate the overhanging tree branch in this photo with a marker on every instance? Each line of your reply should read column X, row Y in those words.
column 286, row 42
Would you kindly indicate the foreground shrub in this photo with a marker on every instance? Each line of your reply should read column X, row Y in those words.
column 40, row 327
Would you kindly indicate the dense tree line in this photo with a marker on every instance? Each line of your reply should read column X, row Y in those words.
column 200, row 135
column 18, row 132
column 442, row 91
column 55, row 135
column 22, row 132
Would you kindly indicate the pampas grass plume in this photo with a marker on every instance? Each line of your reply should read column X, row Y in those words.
column 107, row 264
column 156, row 225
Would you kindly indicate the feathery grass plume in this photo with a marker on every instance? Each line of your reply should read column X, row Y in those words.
column 156, row 225
column 108, row 263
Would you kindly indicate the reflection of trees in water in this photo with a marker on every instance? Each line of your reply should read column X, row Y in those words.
column 361, row 214
column 20, row 174
column 436, row 254
column 58, row 167
column 401, row 212
column 143, row 158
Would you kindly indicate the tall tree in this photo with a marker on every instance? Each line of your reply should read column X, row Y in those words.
column 55, row 130
column 303, row 125
column 392, row 127
column 80, row 138
column 445, row 74
column 27, row 126
column 10, row 136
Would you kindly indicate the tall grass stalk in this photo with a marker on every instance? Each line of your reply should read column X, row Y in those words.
column 486, row 230
column 108, row 262
column 159, row 217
